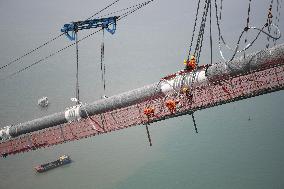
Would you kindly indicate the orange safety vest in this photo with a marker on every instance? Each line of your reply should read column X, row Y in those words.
column 171, row 105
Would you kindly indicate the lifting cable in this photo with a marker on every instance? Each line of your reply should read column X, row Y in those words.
column 193, row 32
column 192, row 37
column 269, row 20
column 277, row 18
column 199, row 45
column 77, row 70
column 247, row 26
column 199, row 42
column 148, row 134
column 72, row 44
column 194, row 123
column 103, row 66
column 211, row 44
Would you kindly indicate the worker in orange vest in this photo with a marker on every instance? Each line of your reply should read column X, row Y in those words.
column 149, row 112
column 171, row 105
column 190, row 65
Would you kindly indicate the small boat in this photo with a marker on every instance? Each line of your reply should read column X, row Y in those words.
column 63, row 160
column 43, row 102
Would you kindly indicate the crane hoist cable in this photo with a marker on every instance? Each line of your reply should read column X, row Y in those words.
column 77, row 91
column 194, row 27
column 71, row 31
column 210, row 33
column 247, row 25
column 70, row 45
column 269, row 20
column 103, row 66
column 277, row 17
column 198, row 47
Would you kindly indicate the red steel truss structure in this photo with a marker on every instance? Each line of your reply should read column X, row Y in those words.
column 214, row 92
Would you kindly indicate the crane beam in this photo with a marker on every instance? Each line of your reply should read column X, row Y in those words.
column 105, row 23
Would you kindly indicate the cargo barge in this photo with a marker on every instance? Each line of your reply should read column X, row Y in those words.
column 63, row 160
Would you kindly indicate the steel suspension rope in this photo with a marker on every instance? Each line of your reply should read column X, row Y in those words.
column 199, row 42
column 135, row 9
column 103, row 67
column 269, row 20
column 77, row 71
column 278, row 13
column 194, row 123
column 103, row 9
column 194, row 27
column 192, row 37
column 47, row 57
column 201, row 35
column 30, row 52
column 247, row 25
column 211, row 44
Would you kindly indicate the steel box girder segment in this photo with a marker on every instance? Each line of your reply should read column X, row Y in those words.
column 106, row 23
column 266, row 58
column 204, row 96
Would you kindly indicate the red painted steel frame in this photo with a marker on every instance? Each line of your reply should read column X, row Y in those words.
column 205, row 96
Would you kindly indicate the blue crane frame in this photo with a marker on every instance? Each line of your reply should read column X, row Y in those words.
column 71, row 29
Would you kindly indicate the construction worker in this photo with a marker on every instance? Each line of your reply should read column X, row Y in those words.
column 186, row 91
column 171, row 105
column 190, row 65
column 149, row 112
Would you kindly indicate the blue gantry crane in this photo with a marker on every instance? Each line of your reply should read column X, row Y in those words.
column 71, row 31
column 105, row 23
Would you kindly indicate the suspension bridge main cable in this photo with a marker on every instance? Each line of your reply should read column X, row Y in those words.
column 30, row 52
column 121, row 10
column 72, row 44
column 103, row 9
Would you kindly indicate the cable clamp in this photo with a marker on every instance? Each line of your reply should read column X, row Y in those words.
column 73, row 113
column 5, row 133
